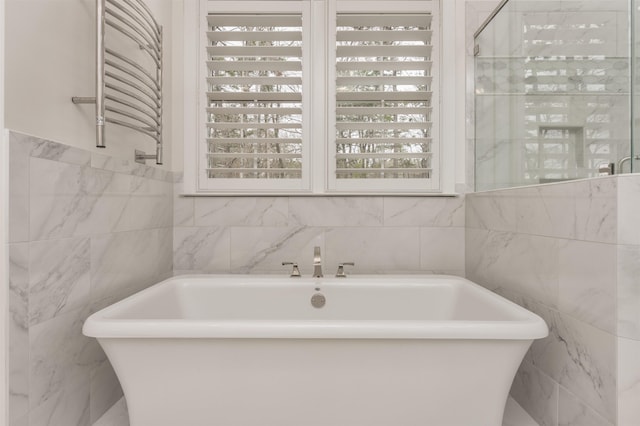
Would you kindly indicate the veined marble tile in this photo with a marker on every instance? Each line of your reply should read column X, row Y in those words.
column 514, row 415
column 628, row 209
column 493, row 211
column 103, row 162
column 628, row 273
column 58, row 152
column 116, row 416
column 142, row 170
column 46, row 149
column 547, row 210
column 537, row 393
column 85, row 201
column 491, row 153
column 587, row 282
column 524, row 263
column 127, row 260
column 105, row 390
column 483, row 261
column 596, row 210
column 164, row 253
column 19, row 150
column 374, row 250
column 21, row 421
column 577, row 28
column 68, row 406
column 470, row 175
column 108, row 205
column 336, row 211
column 183, row 209
column 241, row 211
column 424, row 211
column 442, row 249
column 130, row 167
column 572, row 412
column 628, row 382
column 18, row 330
column 149, row 205
column 59, row 277
column 62, row 198
column 262, row 250
column 58, row 360
column 534, row 75
column 492, row 136
column 580, row 357
column 206, row 249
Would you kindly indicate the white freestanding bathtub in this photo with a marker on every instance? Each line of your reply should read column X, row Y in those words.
column 244, row 350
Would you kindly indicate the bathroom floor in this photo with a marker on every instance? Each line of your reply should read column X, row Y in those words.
column 514, row 415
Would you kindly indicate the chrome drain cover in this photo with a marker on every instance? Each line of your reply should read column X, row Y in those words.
column 318, row 300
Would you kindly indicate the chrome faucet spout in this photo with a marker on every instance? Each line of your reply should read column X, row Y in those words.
column 317, row 263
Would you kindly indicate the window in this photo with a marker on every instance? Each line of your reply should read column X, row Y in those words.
column 324, row 96
column 383, row 98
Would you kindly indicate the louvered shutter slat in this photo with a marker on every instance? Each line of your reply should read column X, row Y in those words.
column 254, row 36
column 383, row 96
column 258, row 51
column 359, row 20
column 382, row 35
column 387, row 141
column 386, row 66
column 387, row 81
column 237, row 66
column 386, row 51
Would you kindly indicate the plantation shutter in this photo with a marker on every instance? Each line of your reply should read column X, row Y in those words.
column 384, row 121
column 254, row 100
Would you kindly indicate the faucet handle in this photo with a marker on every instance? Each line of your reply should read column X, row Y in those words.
column 295, row 272
column 341, row 273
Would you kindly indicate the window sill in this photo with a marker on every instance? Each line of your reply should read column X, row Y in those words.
column 309, row 194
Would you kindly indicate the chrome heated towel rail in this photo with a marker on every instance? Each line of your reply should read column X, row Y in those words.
column 129, row 72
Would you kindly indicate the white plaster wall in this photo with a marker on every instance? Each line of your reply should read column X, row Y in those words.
column 50, row 57
column 177, row 97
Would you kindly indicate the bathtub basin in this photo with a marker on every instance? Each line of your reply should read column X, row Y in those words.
column 243, row 350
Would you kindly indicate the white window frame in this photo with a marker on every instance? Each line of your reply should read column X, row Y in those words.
column 319, row 158
column 258, row 185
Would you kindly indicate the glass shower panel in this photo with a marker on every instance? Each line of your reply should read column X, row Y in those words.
column 552, row 92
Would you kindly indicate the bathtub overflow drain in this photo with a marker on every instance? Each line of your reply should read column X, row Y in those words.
column 318, row 300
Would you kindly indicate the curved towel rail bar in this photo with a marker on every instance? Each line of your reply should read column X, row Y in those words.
column 129, row 73
column 150, row 85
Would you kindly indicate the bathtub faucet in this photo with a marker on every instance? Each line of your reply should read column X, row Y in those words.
column 317, row 263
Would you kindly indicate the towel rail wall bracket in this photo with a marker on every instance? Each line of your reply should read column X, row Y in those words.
column 128, row 94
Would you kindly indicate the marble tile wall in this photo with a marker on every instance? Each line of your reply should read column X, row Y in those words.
column 571, row 253
column 379, row 234
column 628, row 268
column 85, row 231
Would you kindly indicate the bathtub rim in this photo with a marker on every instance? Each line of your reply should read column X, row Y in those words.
column 527, row 326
